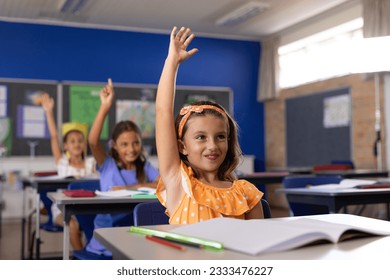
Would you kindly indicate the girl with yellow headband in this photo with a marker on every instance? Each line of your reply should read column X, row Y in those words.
column 70, row 161
column 198, row 153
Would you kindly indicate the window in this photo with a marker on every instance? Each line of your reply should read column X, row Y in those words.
column 331, row 53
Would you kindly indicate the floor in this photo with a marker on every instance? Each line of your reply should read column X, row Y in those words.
column 10, row 242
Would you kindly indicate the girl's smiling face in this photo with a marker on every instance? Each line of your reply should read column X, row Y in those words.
column 129, row 147
column 205, row 143
column 75, row 143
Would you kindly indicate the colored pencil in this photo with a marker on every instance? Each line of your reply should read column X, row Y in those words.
column 165, row 242
column 179, row 238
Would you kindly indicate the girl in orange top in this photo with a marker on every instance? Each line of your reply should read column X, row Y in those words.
column 198, row 153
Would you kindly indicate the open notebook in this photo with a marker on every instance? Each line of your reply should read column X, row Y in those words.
column 140, row 192
column 271, row 235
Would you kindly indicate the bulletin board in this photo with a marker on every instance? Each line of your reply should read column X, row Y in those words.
column 81, row 102
column 318, row 128
column 23, row 125
column 23, row 129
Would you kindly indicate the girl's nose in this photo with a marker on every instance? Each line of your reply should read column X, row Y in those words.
column 211, row 144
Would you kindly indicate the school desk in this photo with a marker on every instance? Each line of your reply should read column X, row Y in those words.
column 40, row 184
column 262, row 178
column 335, row 199
column 139, row 248
column 355, row 173
column 91, row 205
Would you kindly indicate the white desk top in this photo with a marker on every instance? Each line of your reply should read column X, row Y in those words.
column 61, row 199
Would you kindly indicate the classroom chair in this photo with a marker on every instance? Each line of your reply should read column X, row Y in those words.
column 266, row 209
column 86, row 222
column 153, row 213
column 149, row 213
column 301, row 209
column 345, row 162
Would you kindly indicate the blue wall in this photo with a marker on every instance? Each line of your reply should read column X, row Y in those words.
column 30, row 51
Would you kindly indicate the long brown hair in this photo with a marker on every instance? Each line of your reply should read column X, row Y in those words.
column 129, row 126
column 233, row 155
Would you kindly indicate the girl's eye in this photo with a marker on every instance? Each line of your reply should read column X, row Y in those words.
column 200, row 137
column 221, row 137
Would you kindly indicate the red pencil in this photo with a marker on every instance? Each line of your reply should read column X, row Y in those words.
column 165, row 242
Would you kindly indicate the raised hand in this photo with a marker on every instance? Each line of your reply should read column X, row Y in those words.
column 47, row 102
column 179, row 42
column 107, row 94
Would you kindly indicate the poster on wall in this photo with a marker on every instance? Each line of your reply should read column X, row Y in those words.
column 141, row 112
column 5, row 137
column 337, row 111
column 31, row 122
column 84, row 104
column 3, row 101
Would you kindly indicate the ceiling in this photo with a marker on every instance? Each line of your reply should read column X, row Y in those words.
column 160, row 15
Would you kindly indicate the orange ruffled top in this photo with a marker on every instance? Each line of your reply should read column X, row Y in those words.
column 202, row 202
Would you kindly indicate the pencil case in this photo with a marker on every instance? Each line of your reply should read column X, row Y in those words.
column 79, row 193
column 375, row 186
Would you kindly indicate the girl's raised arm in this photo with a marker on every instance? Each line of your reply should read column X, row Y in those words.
column 106, row 97
column 48, row 105
column 166, row 142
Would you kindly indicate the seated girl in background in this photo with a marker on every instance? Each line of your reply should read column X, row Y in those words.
column 198, row 153
column 126, row 165
column 70, row 162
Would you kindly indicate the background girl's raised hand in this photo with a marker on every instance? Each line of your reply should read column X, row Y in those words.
column 107, row 94
column 47, row 102
column 179, row 42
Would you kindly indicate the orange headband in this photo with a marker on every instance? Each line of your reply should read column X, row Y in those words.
column 187, row 110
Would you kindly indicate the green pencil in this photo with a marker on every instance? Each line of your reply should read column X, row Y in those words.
column 183, row 239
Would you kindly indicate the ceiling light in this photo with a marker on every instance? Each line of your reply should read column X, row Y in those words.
column 72, row 6
column 243, row 13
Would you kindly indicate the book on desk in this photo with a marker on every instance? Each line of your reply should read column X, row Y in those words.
column 354, row 183
column 255, row 237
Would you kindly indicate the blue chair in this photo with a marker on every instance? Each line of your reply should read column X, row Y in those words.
column 301, row 209
column 153, row 213
column 149, row 213
column 266, row 209
column 346, row 162
column 86, row 222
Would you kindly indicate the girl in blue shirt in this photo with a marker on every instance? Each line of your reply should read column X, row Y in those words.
column 126, row 165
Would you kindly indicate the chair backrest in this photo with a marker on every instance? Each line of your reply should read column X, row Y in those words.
column 266, row 209
column 49, row 225
column 345, row 162
column 150, row 213
column 86, row 221
column 47, row 203
column 301, row 209
column 153, row 213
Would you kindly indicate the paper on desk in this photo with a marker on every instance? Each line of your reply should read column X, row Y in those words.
column 344, row 184
column 119, row 193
